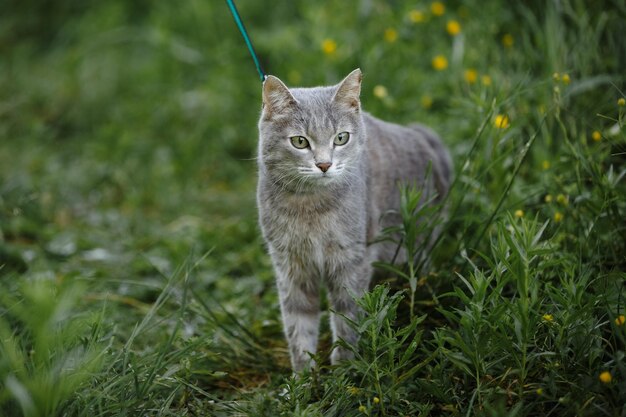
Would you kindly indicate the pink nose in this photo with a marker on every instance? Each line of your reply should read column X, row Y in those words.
column 324, row 166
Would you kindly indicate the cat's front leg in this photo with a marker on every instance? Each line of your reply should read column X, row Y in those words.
column 343, row 288
column 299, row 304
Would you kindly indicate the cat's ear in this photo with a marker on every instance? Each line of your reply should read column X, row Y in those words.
column 349, row 91
column 276, row 97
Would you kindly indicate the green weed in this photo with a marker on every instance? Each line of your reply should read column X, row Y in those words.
column 127, row 146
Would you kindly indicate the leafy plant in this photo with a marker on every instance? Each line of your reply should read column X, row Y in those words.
column 48, row 351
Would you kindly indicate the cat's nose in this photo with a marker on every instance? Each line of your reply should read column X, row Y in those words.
column 324, row 165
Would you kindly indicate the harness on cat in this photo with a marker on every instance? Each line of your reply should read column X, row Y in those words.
column 244, row 33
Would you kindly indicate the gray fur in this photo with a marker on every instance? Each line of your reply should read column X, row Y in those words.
column 317, row 225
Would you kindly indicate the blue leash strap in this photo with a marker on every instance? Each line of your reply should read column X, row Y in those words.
column 242, row 29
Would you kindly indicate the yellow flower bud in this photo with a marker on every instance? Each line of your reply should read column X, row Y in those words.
column 391, row 35
column 605, row 377
column 427, row 101
column 470, row 75
column 507, row 40
column 440, row 63
column 416, row 16
column 453, row 27
column 596, row 136
column 437, row 8
column 329, row 46
column 501, row 121
column 380, row 91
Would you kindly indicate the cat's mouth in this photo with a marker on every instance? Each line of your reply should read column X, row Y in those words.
column 320, row 177
column 317, row 176
column 327, row 175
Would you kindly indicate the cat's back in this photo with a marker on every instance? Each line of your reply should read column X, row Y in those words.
column 403, row 154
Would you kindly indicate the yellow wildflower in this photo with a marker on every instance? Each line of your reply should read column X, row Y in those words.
column 501, row 121
column 470, row 75
column 539, row 391
column 565, row 78
column 362, row 408
column 376, row 400
column 548, row 198
column 416, row 16
column 621, row 102
column 440, row 63
column 519, row 213
column 562, row 199
column 606, row 377
column 329, row 46
column 507, row 40
column 596, row 136
column 486, row 80
column 391, row 35
column 380, row 91
column 453, row 27
column 437, row 8
column 620, row 320
column 556, row 76
column 427, row 101
column 548, row 317
column 353, row 390
column 558, row 217
column 545, row 165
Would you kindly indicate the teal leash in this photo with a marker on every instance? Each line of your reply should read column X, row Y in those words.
column 242, row 29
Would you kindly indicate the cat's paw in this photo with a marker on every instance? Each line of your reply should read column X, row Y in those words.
column 302, row 364
column 340, row 354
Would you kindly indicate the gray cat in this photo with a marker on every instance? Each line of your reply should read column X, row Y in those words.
column 329, row 177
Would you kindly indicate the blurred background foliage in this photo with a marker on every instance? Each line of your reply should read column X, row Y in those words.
column 127, row 170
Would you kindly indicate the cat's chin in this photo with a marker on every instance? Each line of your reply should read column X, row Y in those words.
column 325, row 178
column 313, row 182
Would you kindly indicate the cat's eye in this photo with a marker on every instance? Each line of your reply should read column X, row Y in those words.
column 299, row 142
column 342, row 138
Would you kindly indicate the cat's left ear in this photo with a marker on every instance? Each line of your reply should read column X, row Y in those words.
column 276, row 97
column 349, row 91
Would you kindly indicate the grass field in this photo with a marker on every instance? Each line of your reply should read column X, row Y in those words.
column 133, row 278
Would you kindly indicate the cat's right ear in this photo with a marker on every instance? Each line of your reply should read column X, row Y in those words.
column 276, row 97
column 349, row 90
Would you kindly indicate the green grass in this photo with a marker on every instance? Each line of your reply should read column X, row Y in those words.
column 133, row 279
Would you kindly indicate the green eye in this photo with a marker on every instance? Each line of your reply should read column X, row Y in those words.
column 342, row 138
column 299, row 142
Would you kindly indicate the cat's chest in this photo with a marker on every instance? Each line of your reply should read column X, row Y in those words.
column 300, row 225
column 312, row 230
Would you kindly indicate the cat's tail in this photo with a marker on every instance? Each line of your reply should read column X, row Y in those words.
column 442, row 163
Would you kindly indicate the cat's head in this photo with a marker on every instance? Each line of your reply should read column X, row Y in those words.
column 311, row 137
